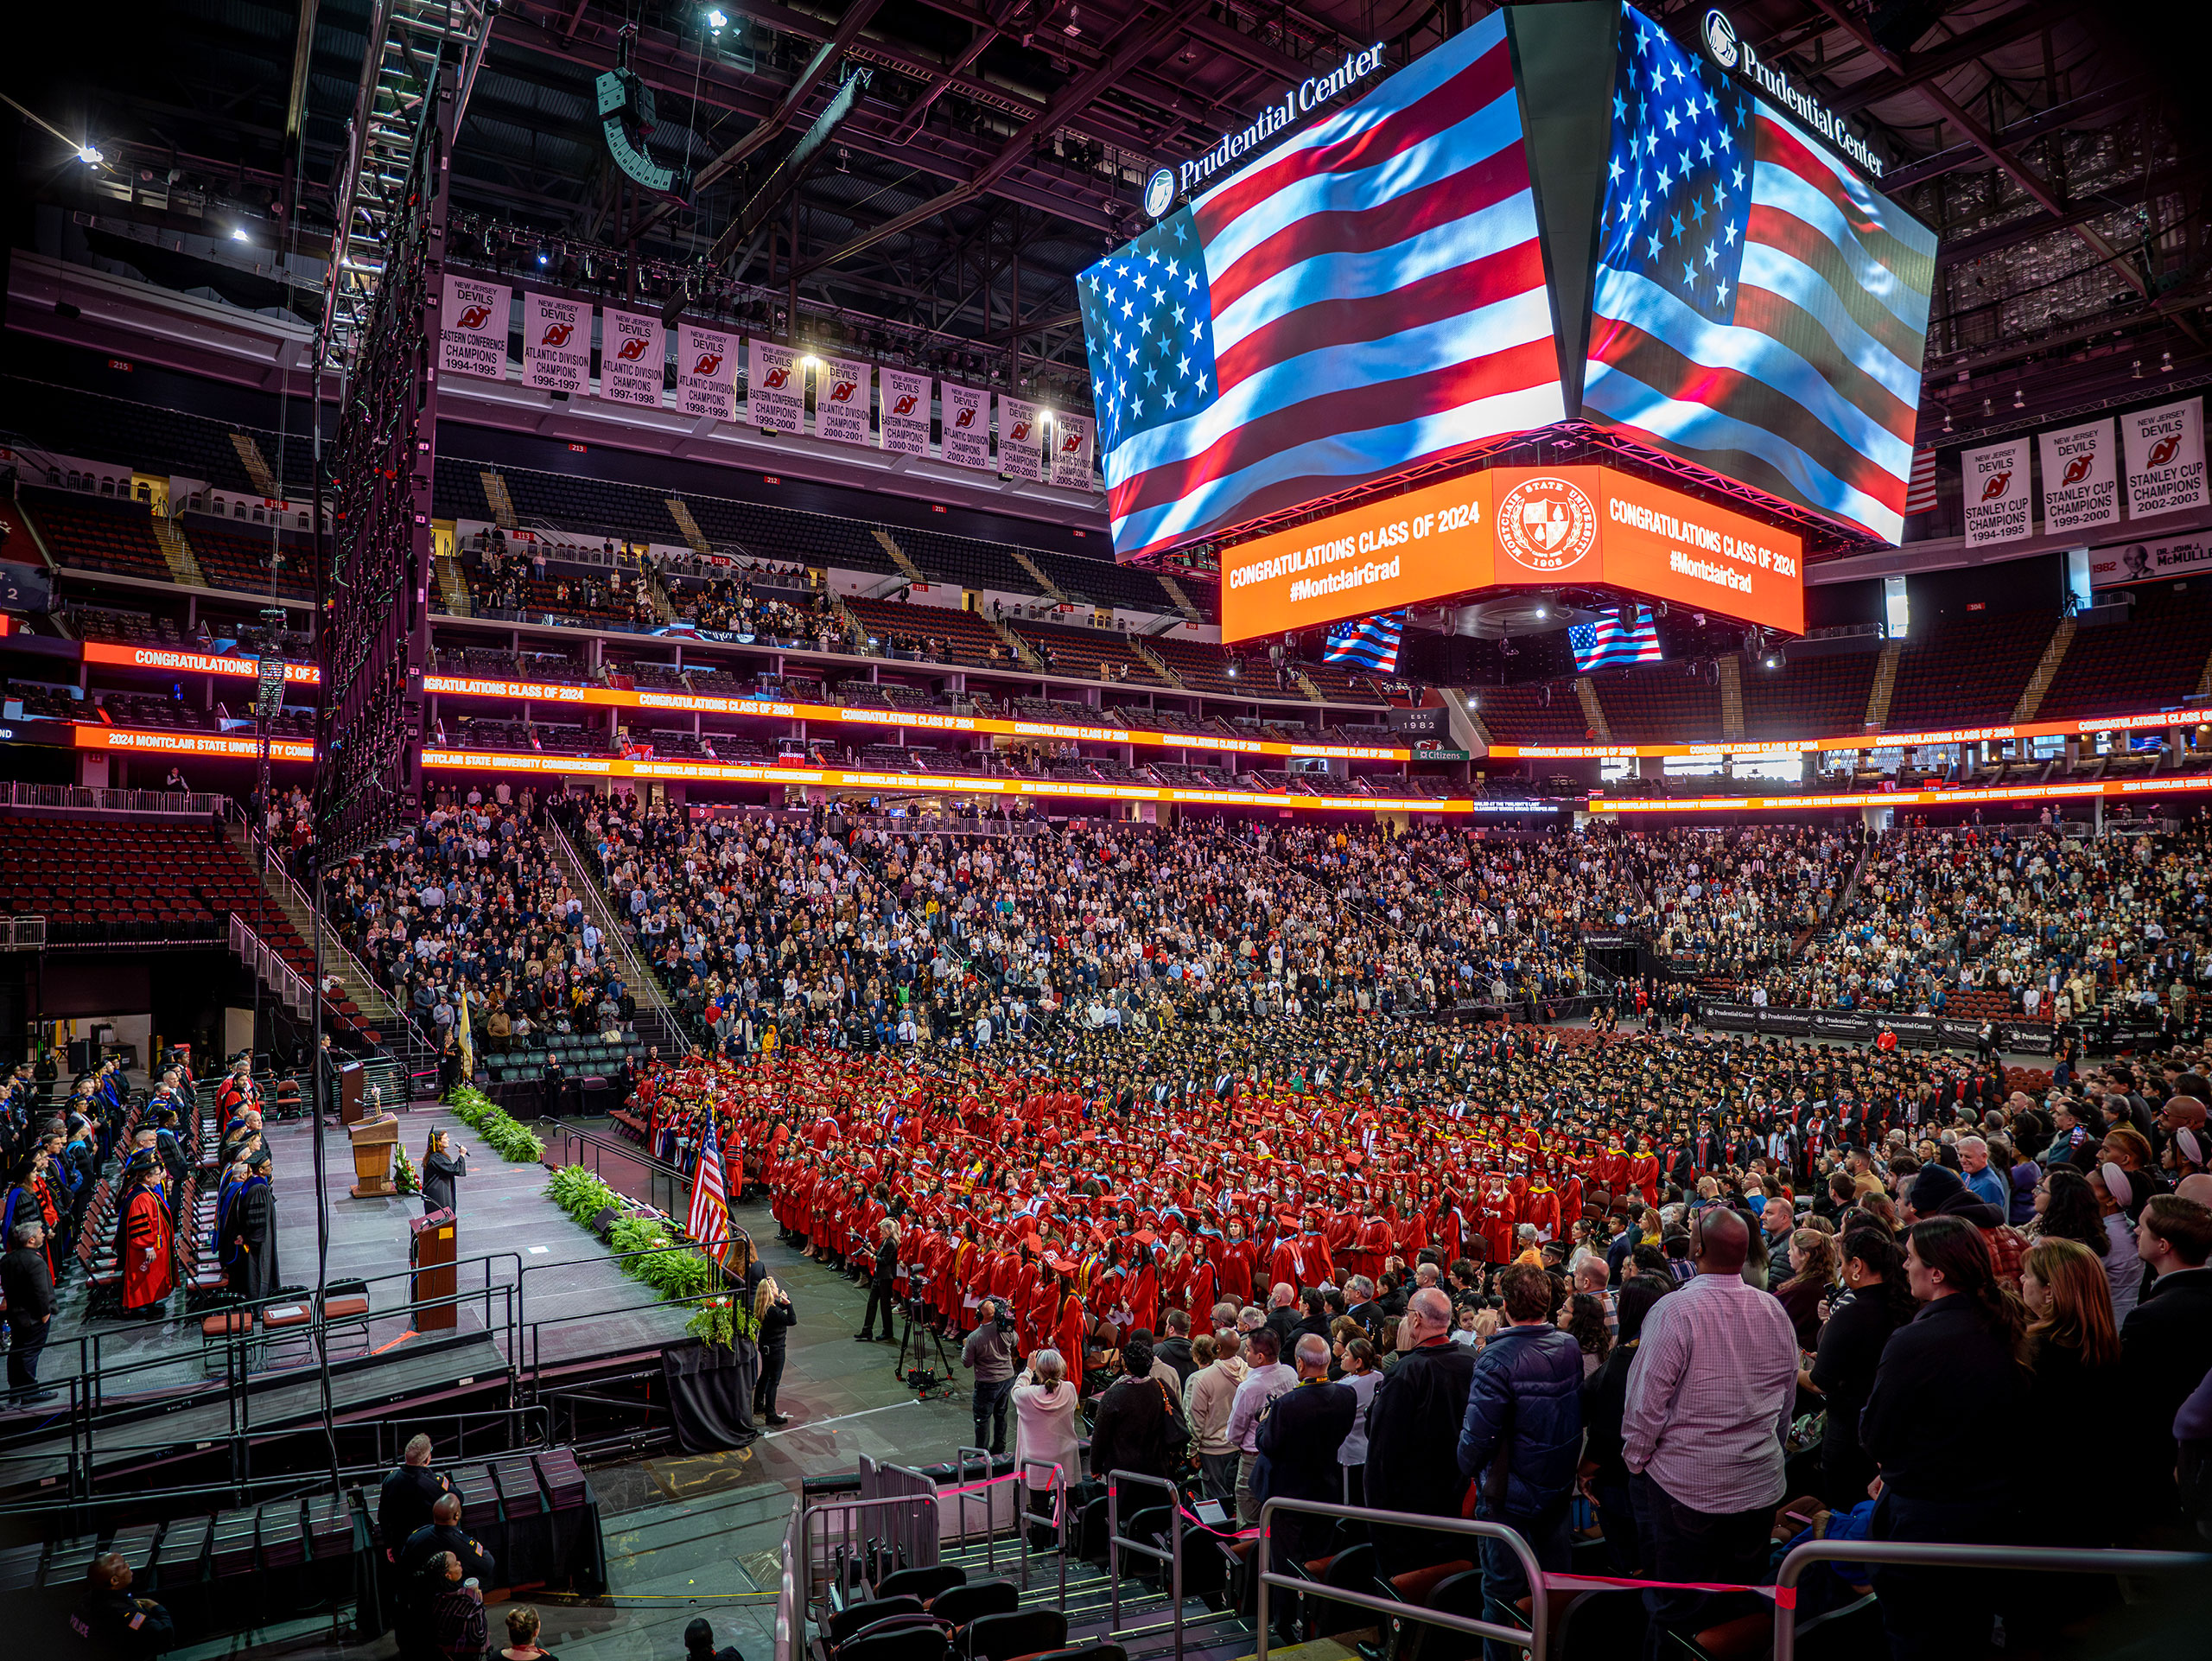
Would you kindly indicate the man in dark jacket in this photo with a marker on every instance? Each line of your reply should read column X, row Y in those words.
column 27, row 1284
column 1299, row 1434
column 443, row 1533
column 1416, row 1413
column 2165, row 1344
column 404, row 1501
column 1521, row 1439
column 882, row 1276
column 111, row 1622
column 1130, row 1433
column 1175, row 1348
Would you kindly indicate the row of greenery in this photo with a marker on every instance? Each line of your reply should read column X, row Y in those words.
column 676, row 1274
column 501, row 1133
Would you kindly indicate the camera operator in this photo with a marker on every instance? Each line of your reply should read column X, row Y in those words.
column 989, row 1353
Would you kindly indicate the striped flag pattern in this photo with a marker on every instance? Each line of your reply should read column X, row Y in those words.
column 709, row 1224
column 1370, row 642
column 1369, row 295
column 1608, row 642
column 1920, row 488
column 1759, row 309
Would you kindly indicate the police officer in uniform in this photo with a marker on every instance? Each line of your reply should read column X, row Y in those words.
column 403, row 1504
column 443, row 1533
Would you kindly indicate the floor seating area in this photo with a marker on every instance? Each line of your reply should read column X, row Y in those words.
column 96, row 880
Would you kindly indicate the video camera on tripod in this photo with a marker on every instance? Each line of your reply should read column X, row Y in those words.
column 923, row 1343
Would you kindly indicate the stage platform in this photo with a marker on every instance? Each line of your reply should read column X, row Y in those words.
column 537, row 1292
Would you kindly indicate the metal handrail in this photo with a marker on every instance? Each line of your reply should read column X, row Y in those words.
column 1906, row 1553
column 269, row 964
column 100, row 798
column 1534, row 1639
column 1116, row 1545
column 849, row 1506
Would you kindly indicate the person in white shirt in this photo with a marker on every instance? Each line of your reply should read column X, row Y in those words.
column 1267, row 1378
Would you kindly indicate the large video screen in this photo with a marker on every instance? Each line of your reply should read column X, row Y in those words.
column 1759, row 309
column 1576, row 527
column 1367, row 295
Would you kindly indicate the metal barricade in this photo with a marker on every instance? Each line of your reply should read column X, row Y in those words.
column 904, row 1510
column 1903, row 1554
column 1023, row 1490
column 1173, row 1556
column 1533, row 1639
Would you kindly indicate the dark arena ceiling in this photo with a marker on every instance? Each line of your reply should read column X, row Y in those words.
column 1000, row 146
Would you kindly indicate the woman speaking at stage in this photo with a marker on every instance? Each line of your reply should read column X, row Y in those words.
column 442, row 1161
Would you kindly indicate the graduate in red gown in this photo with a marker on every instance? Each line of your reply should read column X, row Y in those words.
column 142, row 1239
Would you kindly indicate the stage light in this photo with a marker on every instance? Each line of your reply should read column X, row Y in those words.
column 2166, row 363
column 716, row 21
column 1232, row 671
column 90, row 156
column 1947, row 421
column 809, row 361
column 543, row 257
column 2019, row 399
column 238, row 235
column 1774, row 660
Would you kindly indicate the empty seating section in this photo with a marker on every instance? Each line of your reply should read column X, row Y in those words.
column 1202, row 667
column 89, row 533
column 968, row 639
column 120, row 881
column 2151, row 662
column 1671, row 704
column 1532, row 714
column 125, row 627
column 457, row 490
column 1083, row 651
column 1810, row 697
column 239, row 560
column 97, row 427
column 1968, row 672
column 779, row 533
column 598, row 508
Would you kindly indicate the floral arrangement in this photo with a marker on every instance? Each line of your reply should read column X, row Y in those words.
column 500, row 1132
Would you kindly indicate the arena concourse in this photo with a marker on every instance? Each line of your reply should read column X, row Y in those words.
column 927, row 832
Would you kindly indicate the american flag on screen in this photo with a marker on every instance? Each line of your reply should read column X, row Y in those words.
column 1370, row 293
column 1371, row 642
column 710, row 1221
column 1920, row 488
column 1608, row 643
column 1759, row 310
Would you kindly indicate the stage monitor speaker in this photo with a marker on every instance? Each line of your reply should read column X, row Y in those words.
column 603, row 1225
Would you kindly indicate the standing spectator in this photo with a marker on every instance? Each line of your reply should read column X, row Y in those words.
column 1207, row 1400
column 987, row 1355
column 1519, row 1439
column 115, row 1623
column 1131, row 1431
column 1299, row 1436
column 1265, row 1378
column 1418, row 1411
column 1175, row 1348
column 1874, row 1303
column 1604, row 1478
column 27, row 1284
column 2166, row 1344
column 1356, row 1356
column 1045, row 1431
column 774, row 1318
column 1707, row 1409
column 1967, row 1344
column 403, row 1504
column 2073, row 1358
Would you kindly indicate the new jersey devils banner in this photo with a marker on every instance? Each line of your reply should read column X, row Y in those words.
column 1995, row 480
column 2165, row 458
column 905, row 426
column 556, row 344
column 2081, row 486
column 1021, row 450
column 473, row 327
column 1072, row 437
column 775, row 386
column 706, row 371
column 631, row 358
column 966, row 426
column 842, row 390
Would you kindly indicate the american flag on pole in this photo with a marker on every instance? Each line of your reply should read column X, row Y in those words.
column 1368, row 295
column 1608, row 643
column 1759, row 310
column 710, row 1221
column 1371, row 642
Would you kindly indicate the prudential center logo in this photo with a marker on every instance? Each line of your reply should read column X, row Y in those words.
column 1159, row 193
column 1720, row 38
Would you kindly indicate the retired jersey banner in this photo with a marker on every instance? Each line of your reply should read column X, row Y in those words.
column 473, row 327
column 2165, row 458
column 706, row 371
column 843, row 388
column 2080, row 483
column 1995, row 493
column 966, row 426
column 775, row 386
column 905, row 422
column 631, row 355
column 1021, row 448
column 1072, row 438
column 556, row 344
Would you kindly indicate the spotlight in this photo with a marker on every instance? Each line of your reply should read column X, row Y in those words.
column 1774, row 660
column 809, row 361
column 1947, row 421
column 2019, row 399
column 2166, row 363
column 1542, row 612
column 1232, row 669
column 238, row 235
column 544, row 258
column 716, row 19
column 90, row 156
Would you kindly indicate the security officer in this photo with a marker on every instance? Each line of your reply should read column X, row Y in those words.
column 405, row 1503
column 442, row 1533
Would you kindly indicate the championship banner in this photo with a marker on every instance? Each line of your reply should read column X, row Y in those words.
column 1021, row 440
column 1995, row 483
column 2149, row 562
column 473, row 327
column 706, row 371
column 556, row 344
column 905, row 424
column 775, row 386
column 966, row 426
column 843, row 387
column 633, row 353
column 1072, row 438
column 2080, row 483
column 2165, row 458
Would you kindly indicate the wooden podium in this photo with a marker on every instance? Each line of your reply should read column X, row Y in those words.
column 374, row 1141
column 349, row 1093
column 430, row 1247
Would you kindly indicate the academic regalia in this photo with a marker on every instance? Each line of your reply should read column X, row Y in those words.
column 142, row 1243
column 249, row 1239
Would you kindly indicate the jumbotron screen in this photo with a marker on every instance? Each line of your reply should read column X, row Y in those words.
column 1758, row 309
column 1367, row 295
column 1515, row 527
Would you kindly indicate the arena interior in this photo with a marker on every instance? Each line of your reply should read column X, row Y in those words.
column 1361, row 830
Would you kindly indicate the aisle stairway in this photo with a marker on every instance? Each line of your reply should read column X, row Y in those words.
column 176, row 552
column 657, row 1021
column 378, row 1013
